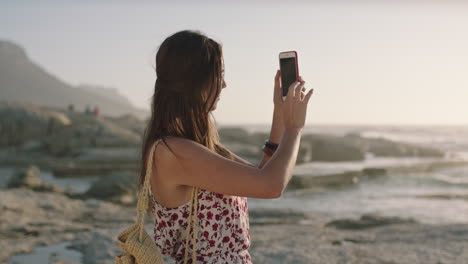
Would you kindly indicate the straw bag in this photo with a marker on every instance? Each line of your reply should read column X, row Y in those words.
column 138, row 246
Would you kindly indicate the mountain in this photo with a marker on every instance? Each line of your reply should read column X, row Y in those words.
column 22, row 80
column 109, row 92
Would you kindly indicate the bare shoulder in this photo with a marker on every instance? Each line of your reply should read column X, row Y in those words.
column 167, row 157
column 176, row 151
column 181, row 147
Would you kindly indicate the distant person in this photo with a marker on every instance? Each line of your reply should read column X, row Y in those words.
column 191, row 160
column 96, row 111
column 71, row 107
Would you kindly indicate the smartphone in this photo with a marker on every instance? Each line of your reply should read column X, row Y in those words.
column 289, row 70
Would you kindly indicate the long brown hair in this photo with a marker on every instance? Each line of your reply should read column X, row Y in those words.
column 189, row 70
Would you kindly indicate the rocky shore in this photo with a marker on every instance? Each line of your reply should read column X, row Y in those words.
column 30, row 219
column 75, row 144
column 347, row 177
column 36, row 213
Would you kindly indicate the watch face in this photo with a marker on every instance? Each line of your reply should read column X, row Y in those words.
column 270, row 145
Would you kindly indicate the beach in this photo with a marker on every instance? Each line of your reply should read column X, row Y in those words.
column 34, row 220
column 359, row 194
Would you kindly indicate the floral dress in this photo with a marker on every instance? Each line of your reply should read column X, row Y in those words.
column 222, row 229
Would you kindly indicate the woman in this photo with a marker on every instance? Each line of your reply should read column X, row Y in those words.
column 190, row 76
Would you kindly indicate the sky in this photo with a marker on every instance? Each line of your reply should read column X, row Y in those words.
column 369, row 62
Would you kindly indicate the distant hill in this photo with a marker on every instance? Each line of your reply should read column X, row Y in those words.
column 22, row 80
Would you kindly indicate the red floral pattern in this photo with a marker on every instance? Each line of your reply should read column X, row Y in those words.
column 222, row 232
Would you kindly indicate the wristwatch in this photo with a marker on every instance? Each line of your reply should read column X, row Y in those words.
column 271, row 145
column 269, row 148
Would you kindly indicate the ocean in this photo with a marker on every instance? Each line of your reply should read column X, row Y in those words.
column 437, row 197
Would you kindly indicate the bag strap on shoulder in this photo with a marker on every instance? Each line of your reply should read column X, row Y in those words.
column 143, row 203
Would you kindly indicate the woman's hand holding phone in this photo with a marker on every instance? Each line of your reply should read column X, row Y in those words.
column 294, row 107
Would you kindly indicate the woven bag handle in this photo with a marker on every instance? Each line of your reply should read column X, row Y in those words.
column 193, row 203
column 143, row 203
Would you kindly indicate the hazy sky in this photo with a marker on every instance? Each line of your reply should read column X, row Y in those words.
column 399, row 62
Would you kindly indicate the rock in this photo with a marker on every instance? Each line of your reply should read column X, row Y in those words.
column 60, row 132
column 100, row 246
column 130, row 122
column 20, row 123
column 97, row 246
column 460, row 196
column 119, row 188
column 29, row 219
column 373, row 172
column 331, row 148
column 93, row 168
column 228, row 134
column 32, row 145
column 28, row 178
column 347, row 177
column 388, row 148
column 26, row 231
column 305, row 153
column 336, row 179
column 90, row 131
column 367, row 221
column 263, row 216
column 323, row 147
